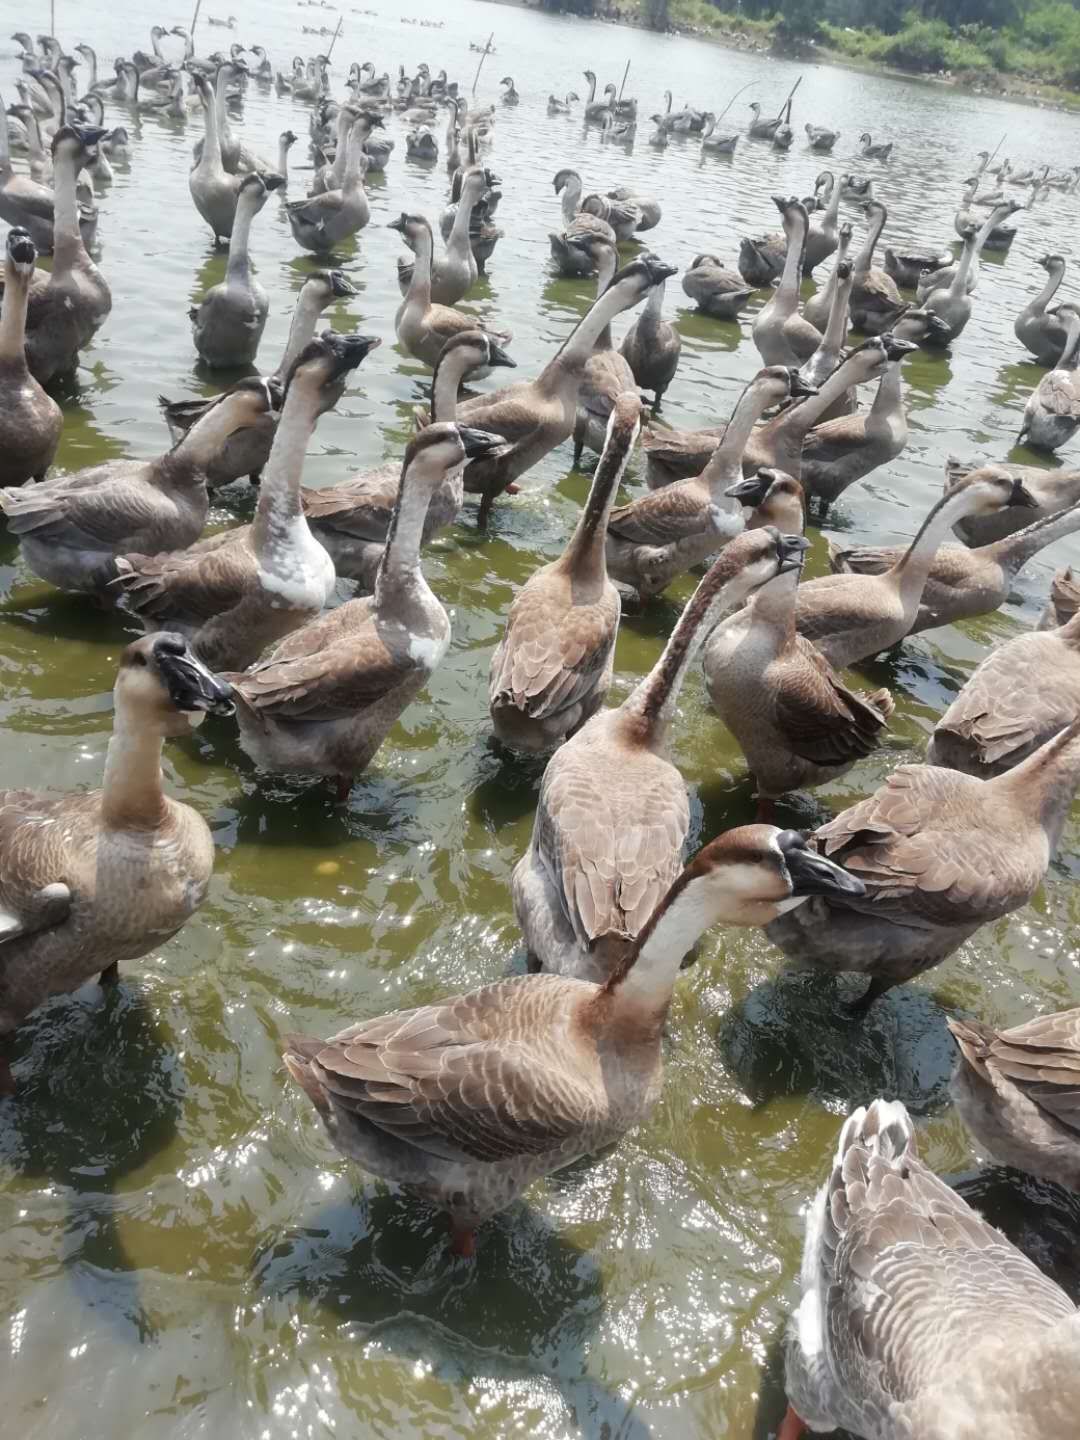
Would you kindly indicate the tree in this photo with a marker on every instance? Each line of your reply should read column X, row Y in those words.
column 656, row 14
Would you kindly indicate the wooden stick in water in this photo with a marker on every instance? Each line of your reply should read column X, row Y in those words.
column 997, row 147
column 333, row 42
column 483, row 57
column 625, row 73
column 195, row 19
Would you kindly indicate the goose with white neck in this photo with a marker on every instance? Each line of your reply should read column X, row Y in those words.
column 1020, row 696
column 781, row 334
column 103, row 876
column 246, row 451
column 577, row 1064
column 666, row 532
column 941, row 854
column 829, row 354
column 228, row 322
column 841, row 450
column 1052, row 413
column 945, row 278
column 876, row 303
column 72, row 528
column 422, row 327
column 238, row 592
column 917, row 1316
column 852, row 617
column 607, row 374
column 613, row 815
column 1044, row 332
column 30, row 420
column 553, row 666
column 536, row 415
column 325, row 698
column 795, row 720
column 820, row 305
column 965, row 581
column 573, row 259
column 352, row 519
column 953, row 305
column 65, row 313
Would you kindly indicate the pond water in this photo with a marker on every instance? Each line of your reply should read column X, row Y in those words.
column 184, row 1254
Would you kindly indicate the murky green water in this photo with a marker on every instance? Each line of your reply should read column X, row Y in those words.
column 183, row 1253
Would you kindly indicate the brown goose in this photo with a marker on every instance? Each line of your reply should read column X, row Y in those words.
column 30, row 420
column 1044, row 332
column 1052, row 490
column 652, row 346
column 796, row 721
column 963, row 581
column 1017, row 1091
column 1064, row 600
column 570, row 257
column 553, row 666
column 467, row 1101
column 917, row 1317
column 613, row 815
column 715, row 291
column 876, row 303
column 607, row 373
column 941, row 853
column 781, row 334
column 423, row 328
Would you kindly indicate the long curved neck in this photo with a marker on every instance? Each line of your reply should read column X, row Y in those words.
column 446, row 382
column 239, row 267
column 13, row 317
column 34, row 146
column 604, row 273
column 198, row 447
column 963, row 270
column 221, row 86
column 1014, row 551
column 1047, row 293
column 211, row 156
column 571, row 198
column 67, row 239
column 354, row 151
column 725, row 463
column 399, row 569
column 132, row 794
column 787, row 296
column 585, row 336
column 283, row 158
column 913, row 567
column 643, row 984
column 279, row 495
column 773, row 607
column 648, row 710
column 5, row 141
column 309, row 306
column 802, row 417
column 341, row 153
column 420, row 289
column 583, row 559
column 865, row 257
column 832, row 210
column 459, row 232
column 889, row 391
column 832, row 342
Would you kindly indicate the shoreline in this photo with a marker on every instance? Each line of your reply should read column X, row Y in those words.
column 1014, row 89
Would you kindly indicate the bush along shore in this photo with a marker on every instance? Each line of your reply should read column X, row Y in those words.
column 1018, row 49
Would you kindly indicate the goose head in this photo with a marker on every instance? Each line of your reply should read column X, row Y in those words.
column 161, row 686
column 321, row 367
column 413, row 229
column 775, row 497
column 443, row 448
column 331, row 284
column 989, row 491
column 478, row 348
column 254, row 191
column 1052, row 263
column 641, row 275
column 563, row 178
column 924, row 326
column 77, row 144
column 21, row 251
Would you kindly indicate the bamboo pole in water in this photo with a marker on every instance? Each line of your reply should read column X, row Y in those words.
column 333, row 42
column 483, row 57
column 52, row 18
column 195, row 19
column 625, row 73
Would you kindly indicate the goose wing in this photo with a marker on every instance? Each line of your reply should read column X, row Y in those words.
column 554, row 652
column 918, row 846
column 362, row 507
column 196, row 584
column 834, row 440
column 80, row 516
column 485, row 1076
column 1059, row 393
column 1041, row 1058
column 662, row 517
column 820, row 718
column 33, row 832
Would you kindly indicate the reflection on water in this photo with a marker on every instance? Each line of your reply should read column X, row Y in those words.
column 185, row 1255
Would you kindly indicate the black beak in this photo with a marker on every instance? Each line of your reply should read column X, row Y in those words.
column 478, row 442
column 190, row 684
column 896, row 349
column 658, row 270
column 348, row 350
column 753, row 490
column 800, row 387
column 339, row 286
column 273, row 182
column 1021, row 495
column 791, row 551
column 498, row 356
column 21, row 247
column 811, row 873
column 399, row 224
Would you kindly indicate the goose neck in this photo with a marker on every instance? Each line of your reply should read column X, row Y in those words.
column 649, row 709
column 793, row 260
column 605, row 270
column 132, row 794
column 67, row 238
column 239, row 263
column 1014, row 551
column 865, row 257
column 584, row 557
column 889, row 392
column 470, row 194
column 13, row 316
column 309, row 306
column 279, row 495
column 571, row 198
column 586, row 335
column 399, row 570
column 5, row 141
column 446, row 382
column 832, row 342
column 643, row 985
column 1047, row 293
column 913, row 567
column 725, row 463
column 420, row 289
column 354, row 156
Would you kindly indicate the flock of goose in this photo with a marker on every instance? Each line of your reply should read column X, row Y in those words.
column 917, row 1318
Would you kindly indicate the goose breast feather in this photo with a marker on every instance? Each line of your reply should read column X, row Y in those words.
column 675, row 512
column 821, row 719
column 553, row 655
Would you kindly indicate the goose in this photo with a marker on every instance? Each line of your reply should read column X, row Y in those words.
column 964, row 581
column 102, row 876
column 784, row 138
column 823, row 234
column 553, row 666
column 1016, row 1091
column 941, row 853
column 1051, row 490
column 574, row 259
column 795, row 720
column 23, row 202
column 1041, row 331
column 820, row 305
column 711, row 143
column 761, row 261
column 624, row 216
column 770, row 497
column 321, row 222
column 72, row 528
column 908, row 268
column 213, row 190
column 875, row 301
column 264, row 71
column 659, row 138
column 652, row 346
column 614, row 132
column 30, row 420
column 1064, row 600
column 858, row 189
column 246, row 451
column 612, row 815
column 286, row 140
column 236, row 158
column 352, row 519
column 820, row 138
column 1020, row 696
column 228, row 322
column 869, row 151
column 830, row 352
column 562, row 107
column 39, row 161
column 326, row 696
column 917, row 1317
column 714, row 290
column 851, row 617
column 1052, row 413
column 839, row 451
column 66, row 312
column 510, row 95
column 763, row 129
column 780, row 333
column 238, row 592
column 595, row 110
column 946, row 278
column 577, row 1064
column 331, row 175
column 421, row 145
column 454, row 273
column 607, row 374
column 536, row 415
column 421, row 327
column 666, row 532
column 648, row 208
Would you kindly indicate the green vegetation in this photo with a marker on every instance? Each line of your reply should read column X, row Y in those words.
column 1032, row 41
